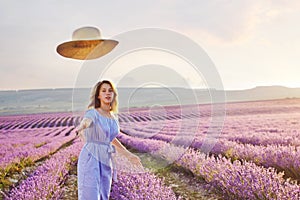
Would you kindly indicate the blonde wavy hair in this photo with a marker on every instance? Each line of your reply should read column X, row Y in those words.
column 95, row 102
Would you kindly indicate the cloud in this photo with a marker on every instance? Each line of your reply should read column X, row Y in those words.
column 226, row 21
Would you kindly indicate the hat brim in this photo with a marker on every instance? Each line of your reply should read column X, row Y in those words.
column 86, row 49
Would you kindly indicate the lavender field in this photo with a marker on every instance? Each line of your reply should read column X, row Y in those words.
column 255, row 156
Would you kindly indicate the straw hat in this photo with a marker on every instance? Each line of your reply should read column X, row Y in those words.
column 86, row 44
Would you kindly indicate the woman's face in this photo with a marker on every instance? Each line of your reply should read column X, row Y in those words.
column 106, row 94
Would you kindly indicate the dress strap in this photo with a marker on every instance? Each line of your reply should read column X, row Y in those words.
column 111, row 148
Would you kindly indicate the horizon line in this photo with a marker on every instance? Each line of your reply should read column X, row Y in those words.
column 178, row 87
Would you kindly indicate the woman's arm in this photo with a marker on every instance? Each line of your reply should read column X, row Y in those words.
column 85, row 123
column 121, row 149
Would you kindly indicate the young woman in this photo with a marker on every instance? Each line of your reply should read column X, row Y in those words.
column 99, row 129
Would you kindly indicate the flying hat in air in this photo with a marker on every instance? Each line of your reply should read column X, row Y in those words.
column 86, row 44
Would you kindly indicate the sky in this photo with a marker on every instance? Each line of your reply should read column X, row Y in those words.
column 251, row 42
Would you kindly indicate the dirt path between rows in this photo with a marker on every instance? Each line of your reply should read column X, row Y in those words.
column 182, row 182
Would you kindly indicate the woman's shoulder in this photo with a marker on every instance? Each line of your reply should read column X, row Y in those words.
column 90, row 113
column 114, row 115
column 90, row 110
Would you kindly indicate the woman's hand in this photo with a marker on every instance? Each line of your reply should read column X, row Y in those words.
column 79, row 134
column 135, row 160
column 86, row 122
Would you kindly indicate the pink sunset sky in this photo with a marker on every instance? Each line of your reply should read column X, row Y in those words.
column 251, row 42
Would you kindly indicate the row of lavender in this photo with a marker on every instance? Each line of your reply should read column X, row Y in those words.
column 65, row 119
column 282, row 157
column 31, row 144
column 256, row 128
column 43, row 120
column 237, row 180
column 267, row 139
column 48, row 146
column 46, row 182
column 151, row 125
column 263, row 110
column 23, row 148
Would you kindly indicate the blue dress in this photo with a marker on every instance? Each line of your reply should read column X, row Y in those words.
column 95, row 169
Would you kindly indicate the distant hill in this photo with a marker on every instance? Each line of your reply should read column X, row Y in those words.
column 64, row 100
column 263, row 93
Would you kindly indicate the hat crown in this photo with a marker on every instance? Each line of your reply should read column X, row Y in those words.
column 86, row 33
